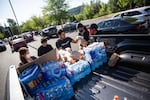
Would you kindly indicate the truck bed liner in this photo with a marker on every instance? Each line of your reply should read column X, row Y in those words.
column 104, row 83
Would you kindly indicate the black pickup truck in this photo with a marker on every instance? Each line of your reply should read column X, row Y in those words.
column 129, row 79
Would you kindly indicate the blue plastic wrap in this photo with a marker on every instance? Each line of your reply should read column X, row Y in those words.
column 52, row 70
column 77, row 70
column 95, row 55
column 56, row 90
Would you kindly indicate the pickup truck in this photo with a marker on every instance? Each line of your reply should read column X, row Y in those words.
column 129, row 79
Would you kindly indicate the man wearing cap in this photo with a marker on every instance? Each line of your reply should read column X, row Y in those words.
column 44, row 48
column 93, row 30
column 83, row 31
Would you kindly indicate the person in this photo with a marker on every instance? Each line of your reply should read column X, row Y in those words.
column 93, row 30
column 64, row 42
column 83, row 31
column 44, row 48
column 24, row 56
column 63, row 45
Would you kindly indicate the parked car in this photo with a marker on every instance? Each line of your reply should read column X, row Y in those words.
column 17, row 43
column 2, row 46
column 110, row 26
column 141, row 14
column 70, row 27
column 28, row 36
column 49, row 31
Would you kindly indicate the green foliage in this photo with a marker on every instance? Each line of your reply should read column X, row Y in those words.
column 13, row 26
column 104, row 9
column 55, row 12
column 1, row 36
column 79, row 17
column 123, row 4
column 57, row 9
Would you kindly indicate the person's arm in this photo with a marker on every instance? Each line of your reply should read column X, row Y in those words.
column 86, row 36
column 74, row 41
column 58, row 46
column 39, row 52
column 50, row 47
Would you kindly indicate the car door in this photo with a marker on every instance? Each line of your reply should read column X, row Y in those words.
column 108, row 27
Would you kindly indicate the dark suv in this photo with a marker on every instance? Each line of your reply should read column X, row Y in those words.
column 49, row 31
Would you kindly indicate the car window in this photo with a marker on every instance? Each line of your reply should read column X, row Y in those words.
column 116, row 23
column 147, row 10
column 133, row 13
column 100, row 25
column 108, row 24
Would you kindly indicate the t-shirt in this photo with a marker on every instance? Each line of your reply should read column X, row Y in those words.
column 43, row 50
column 85, row 35
column 65, row 43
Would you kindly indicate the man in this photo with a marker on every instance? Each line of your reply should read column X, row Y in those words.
column 93, row 30
column 63, row 45
column 44, row 48
column 83, row 31
column 64, row 42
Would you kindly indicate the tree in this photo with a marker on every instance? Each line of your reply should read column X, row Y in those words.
column 13, row 26
column 1, row 35
column 123, row 4
column 56, row 8
column 104, row 10
column 113, row 6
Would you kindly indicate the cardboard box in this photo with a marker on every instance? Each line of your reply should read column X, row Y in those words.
column 50, row 56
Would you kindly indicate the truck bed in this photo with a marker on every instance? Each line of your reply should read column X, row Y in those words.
column 105, row 83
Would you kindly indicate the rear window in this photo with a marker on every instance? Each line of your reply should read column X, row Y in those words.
column 18, row 40
column 147, row 10
column 133, row 13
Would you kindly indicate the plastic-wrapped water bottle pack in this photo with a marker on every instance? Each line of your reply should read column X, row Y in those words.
column 53, row 69
column 77, row 70
column 60, row 90
column 95, row 54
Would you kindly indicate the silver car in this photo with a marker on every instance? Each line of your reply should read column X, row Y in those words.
column 142, row 14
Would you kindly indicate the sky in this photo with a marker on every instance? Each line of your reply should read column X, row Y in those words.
column 24, row 9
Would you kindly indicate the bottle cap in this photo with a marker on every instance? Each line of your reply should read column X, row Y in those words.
column 116, row 97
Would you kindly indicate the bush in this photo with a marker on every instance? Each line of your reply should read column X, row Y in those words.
column 1, row 36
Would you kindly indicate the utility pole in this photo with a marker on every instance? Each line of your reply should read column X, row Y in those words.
column 15, row 16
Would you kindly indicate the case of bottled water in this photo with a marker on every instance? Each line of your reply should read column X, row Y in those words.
column 53, row 69
column 56, row 89
column 95, row 54
column 77, row 70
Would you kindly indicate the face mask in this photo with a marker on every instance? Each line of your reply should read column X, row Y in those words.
column 80, row 31
column 92, row 31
